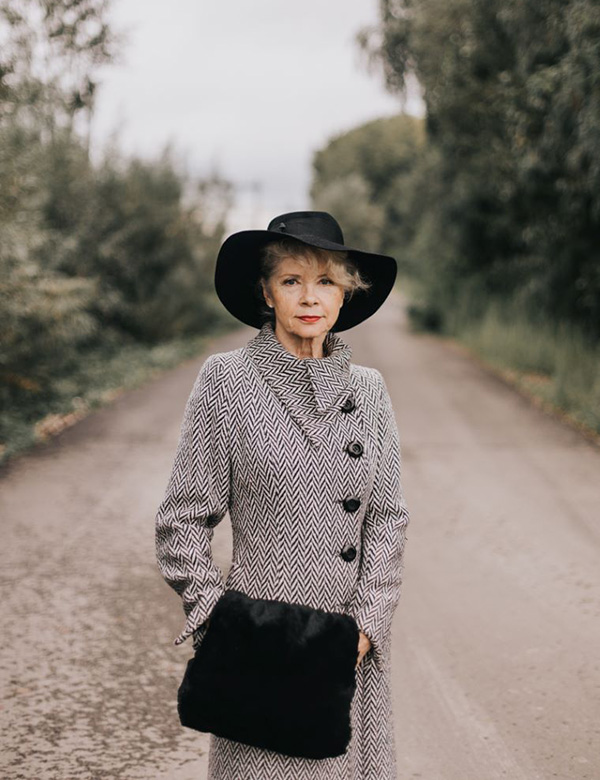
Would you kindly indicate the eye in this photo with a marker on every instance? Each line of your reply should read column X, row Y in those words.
column 288, row 280
column 327, row 280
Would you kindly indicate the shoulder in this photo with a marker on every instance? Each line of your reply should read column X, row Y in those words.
column 368, row 378
column 218, row 372
column 222, row 363
column 371, row 382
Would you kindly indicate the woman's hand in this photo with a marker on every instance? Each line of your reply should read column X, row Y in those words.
column 364, row 645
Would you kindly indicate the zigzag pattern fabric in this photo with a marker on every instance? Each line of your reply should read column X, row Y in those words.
column 304, row 455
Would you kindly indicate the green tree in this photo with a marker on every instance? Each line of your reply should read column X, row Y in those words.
column 363, row 177
column 512, row 91
column 93, row 256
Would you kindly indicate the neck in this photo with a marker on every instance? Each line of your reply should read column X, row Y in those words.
column 311, row 347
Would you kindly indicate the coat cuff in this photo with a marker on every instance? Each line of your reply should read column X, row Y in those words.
column 380, row 640
column 199, row 614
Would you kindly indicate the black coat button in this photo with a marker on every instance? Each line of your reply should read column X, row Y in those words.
column 348, row 405
column 355, row 449
column 351, row 504
column 348, row 552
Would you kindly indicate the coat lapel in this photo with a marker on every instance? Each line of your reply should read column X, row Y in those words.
column 311, row 389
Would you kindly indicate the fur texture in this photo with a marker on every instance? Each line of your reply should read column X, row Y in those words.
column 274, row 675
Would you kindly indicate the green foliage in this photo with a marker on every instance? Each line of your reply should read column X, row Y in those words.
column 50, row 58
column 44, row 316
column 90, row 383
column 145, row 236
column 548, row 359
column 363, row 178
column 512, row 92
column 95, row 259
column 349, row 198
column 492, row 204
column 114, row 253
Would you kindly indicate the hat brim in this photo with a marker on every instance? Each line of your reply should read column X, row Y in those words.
column 237, row 271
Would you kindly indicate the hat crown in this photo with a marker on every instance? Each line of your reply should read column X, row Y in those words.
column 308, row 223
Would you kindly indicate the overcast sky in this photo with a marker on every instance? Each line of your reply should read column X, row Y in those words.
column 249, row 87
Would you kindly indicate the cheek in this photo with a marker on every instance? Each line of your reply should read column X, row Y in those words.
column 286, row 295
column 285, row 301
column 335, row 296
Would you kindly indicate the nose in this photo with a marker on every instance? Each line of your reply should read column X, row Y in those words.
column 309, row 294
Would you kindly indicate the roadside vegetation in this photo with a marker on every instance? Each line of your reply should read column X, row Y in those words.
column 491, row 202
column 106, row 264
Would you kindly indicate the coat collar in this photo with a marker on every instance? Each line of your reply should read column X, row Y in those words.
column 312, row 389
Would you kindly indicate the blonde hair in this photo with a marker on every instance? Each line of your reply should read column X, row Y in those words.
column 342, row 269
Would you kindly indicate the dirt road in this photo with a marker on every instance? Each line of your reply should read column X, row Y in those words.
column 497, row 635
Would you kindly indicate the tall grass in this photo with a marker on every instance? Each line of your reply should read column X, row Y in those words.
column 552, row 361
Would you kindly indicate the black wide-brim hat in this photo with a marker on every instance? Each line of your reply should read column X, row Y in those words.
column 238, row 267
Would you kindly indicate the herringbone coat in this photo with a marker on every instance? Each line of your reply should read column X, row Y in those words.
column 304, row 454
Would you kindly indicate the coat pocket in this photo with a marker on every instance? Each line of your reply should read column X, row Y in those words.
column 235, row 575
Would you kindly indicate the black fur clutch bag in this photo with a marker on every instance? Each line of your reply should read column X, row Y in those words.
column 274, row 675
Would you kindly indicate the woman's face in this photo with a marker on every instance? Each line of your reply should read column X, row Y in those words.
column 298, row 290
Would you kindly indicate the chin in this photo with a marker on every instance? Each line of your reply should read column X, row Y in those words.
column 312, row 329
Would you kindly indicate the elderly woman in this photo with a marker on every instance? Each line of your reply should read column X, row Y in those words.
column 301, row 447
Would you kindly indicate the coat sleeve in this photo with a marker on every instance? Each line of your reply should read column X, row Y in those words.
column 196, row 499
column 383, row 537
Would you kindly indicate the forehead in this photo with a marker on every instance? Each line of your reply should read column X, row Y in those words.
column 300, row 265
